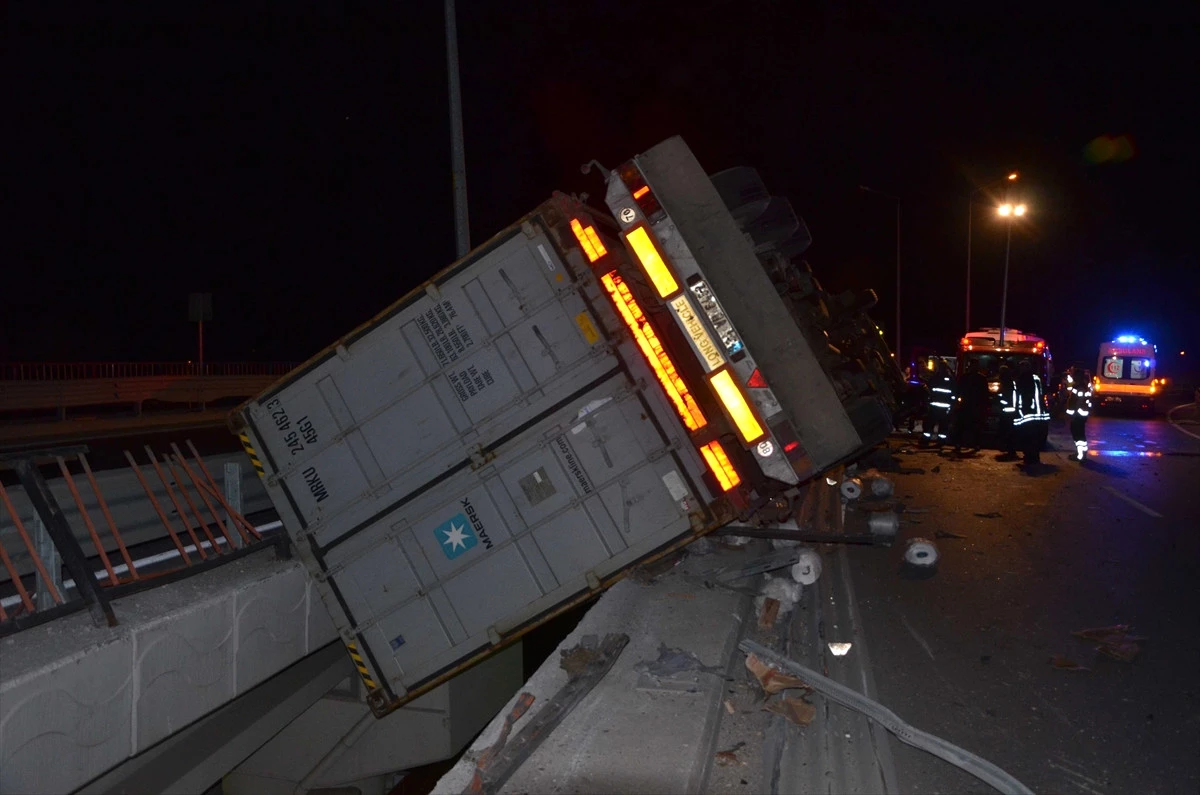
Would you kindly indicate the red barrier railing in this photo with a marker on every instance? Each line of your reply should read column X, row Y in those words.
column 71, row 371
column 95, row 586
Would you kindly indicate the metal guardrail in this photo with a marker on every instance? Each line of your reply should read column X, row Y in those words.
column 72, row 371
column 206, row 530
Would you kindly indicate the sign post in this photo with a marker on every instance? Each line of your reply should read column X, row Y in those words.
column 200, row 310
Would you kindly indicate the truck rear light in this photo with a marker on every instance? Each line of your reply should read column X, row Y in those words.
column 652, row 349
column 756, row 380
column 640, row 192
column 722, row 468
column 652, row 262
column 735, row 404
column 589, row 241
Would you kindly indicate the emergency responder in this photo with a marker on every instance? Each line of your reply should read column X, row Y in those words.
column 1008, row 410
column 1079, row 406
column 972, row 399
column 1032, row 419
column 936, row 424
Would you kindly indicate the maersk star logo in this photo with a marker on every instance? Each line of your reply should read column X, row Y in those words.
column 455, row 536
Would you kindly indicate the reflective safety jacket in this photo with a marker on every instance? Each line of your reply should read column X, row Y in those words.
column 1008, row 397
column 1029, row 399
column 941, row 392
column 1079, row 397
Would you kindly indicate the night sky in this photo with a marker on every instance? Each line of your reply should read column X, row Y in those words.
column 293, row 158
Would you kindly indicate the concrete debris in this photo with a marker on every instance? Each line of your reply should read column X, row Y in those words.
column 807, row 570
column 796, row 710
column 771, row 679
column 1116, row 642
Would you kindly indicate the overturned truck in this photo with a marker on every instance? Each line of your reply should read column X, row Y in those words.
column 587, row 391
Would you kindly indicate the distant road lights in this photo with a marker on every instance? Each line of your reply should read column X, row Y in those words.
column 1013, row 177
column 1007, row 210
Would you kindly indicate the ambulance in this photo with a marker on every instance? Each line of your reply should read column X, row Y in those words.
column 1126, row 375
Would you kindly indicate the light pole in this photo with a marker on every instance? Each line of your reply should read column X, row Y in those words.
column 458, row 154
column 970, row 215
column 896, row 199
column 1009, row 212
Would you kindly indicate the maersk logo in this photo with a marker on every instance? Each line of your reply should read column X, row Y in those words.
column 462, row 532
column 455, row 536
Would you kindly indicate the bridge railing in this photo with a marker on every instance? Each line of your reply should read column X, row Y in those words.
column 81, row 371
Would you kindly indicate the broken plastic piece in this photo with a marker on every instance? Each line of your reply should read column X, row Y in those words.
column 797, row 710
column 1066, row 664
column 839, row 649
column 771, row 679
column 1116, row 641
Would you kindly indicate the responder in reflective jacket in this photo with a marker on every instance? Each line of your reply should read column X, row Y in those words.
column 941, row 397
column 1079, row 406
column 1031, row 418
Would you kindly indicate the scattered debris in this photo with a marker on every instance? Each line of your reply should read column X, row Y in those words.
column 1115, row 641
column 807, row 570
column 989, row 515
column 729, row 706
column 915, row 510
column 839, row 648
column 1065, row 664
column 768, row 613
column 702, row 546
column 648, row 572
column 884, row 524
column 785, row 592
column 672, row 662
column 936, row 469
column 729, row 756
column 851, row 489
column 921, row 552
column 771, row 679
column 795, row 709
column 948, row 534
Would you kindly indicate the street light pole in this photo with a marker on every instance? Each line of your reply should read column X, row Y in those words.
column 1009, row 213
column 458, row 152
column 970, row 217
column 896, row 199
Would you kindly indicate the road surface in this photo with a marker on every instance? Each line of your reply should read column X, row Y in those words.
column 1026, row 560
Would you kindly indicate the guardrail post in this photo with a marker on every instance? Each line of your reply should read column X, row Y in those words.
column 64, row 540
column 49, row 555
column 233, row 493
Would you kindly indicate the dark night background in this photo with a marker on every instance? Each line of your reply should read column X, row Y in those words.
column 293, row 158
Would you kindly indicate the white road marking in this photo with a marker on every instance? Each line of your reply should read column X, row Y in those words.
column 1176, row 426
column 1134, row 503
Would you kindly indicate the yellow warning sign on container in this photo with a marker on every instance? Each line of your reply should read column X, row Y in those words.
column 585, row 325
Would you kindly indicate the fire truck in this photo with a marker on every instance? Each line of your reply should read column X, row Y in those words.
column 990, row 349
column 1125, row 374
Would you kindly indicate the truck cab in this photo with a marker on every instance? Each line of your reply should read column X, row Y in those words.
column 990, row 350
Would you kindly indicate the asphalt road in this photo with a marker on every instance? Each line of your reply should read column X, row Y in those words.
column 967, row 653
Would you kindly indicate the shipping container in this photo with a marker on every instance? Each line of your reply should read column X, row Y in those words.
column 587, row 391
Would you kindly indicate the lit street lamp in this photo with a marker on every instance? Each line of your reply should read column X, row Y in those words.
column 1009, row 212
column 970, row 216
